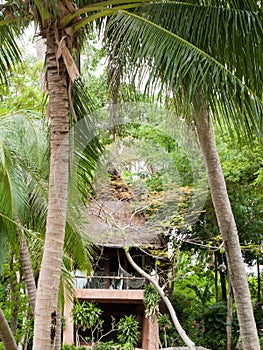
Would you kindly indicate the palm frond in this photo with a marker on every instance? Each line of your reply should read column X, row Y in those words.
column 24, row 193
column 9, row 52
column 83, row 102
column 88, row 11
column 237, row 4
column 7, row 193
column 14, row 18
column 85, row 152
column 86, row 147
column 24, row 162
column 78, row 248
column 171, row 60
column 232, row 37
column 66, row 284
column 3, row 246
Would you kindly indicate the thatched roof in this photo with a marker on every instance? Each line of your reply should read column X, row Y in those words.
column 117, row 219
column 116, row 223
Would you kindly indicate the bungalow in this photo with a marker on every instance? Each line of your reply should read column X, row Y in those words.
column 116, row 222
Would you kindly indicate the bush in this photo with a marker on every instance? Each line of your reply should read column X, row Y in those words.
column 86, row 315
column 128, row 329
column 214, row 322
column 73, row 347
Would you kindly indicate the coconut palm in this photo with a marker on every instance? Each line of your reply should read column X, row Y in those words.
column 6, row 334
column 61, row 24
column 61, row 72
column 208, row 55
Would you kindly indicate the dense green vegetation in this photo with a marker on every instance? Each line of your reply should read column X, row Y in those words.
column 198, row 298
column 174, row 52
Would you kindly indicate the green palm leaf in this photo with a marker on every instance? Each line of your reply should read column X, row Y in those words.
column 238, row 4
column 9, row 52
column 18, row 166
column 171, row 56
column 226, row 34
column 86, row 144
column 24, row 162
column 13, row 21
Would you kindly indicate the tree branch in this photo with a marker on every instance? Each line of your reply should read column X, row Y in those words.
column 188, row 342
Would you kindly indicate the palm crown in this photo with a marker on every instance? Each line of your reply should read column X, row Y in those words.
column 196, row 48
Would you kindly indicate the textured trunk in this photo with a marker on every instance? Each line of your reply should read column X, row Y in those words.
column 6, row 335
column 40, row 51
column 28, row 273
column 188, row 342
column 228, row 230
column 49, row 278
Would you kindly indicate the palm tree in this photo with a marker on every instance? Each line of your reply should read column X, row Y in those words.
column 207, row 54
column 6, row 334
column 59, row 24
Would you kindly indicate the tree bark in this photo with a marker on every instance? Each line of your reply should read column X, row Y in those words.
column 188, row 342
column 228, row 230
column 49, row 278
column 28, row 273
column 5, row 334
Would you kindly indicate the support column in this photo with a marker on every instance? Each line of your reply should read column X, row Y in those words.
column 150, row 333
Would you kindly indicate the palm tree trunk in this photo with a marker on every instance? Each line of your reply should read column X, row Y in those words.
column 28, row 273
column 49, row 278
column 228, row 230
column 5, row 334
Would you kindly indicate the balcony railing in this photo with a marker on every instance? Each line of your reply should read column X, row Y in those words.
column 109, row 282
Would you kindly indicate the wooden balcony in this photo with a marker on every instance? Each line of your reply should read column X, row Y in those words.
column 111, row 296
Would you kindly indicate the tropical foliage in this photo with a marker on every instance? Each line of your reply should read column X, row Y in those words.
column 172, row 48
column 87, row 316
column 161, row 45
column 23, row 209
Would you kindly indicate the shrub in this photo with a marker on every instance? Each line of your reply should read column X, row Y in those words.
column 128, row 331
